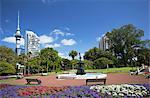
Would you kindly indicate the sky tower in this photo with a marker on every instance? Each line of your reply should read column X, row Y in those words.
column 18, row 38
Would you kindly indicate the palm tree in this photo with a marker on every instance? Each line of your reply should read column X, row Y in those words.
column 73, row 54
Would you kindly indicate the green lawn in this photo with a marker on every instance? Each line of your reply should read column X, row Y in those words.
column 109, row 70
column 7, row 80
column 112, row 70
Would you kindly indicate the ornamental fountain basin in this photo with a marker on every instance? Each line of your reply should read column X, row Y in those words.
column 85, row 76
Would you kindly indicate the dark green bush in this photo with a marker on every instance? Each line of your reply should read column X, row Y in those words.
column 6, row 68
column 102, row 62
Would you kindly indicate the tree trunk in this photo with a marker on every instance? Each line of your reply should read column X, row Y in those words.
column 107, row 66
column 28, row 70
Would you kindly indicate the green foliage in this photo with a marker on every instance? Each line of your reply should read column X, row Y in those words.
column 143, row 56
column 88, row 64
column 57, row 64
column 34, row 65
column 96, row 53
column 73, row 54
column 49, row 58
column 7, row 55
column 66, row 64
column 93, row 54
column 146, row 44
column 6, row 68
column 74, row 63
column 102, row 62
column 122, row 40
column 22, row 59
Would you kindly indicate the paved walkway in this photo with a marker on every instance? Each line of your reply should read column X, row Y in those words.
column 113, row 78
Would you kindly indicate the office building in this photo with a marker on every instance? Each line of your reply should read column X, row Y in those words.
column 32, row 43
column 103, row 44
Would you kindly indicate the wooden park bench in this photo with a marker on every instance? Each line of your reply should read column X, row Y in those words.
column 33, row 80
column 96, row 80
column 147, row 75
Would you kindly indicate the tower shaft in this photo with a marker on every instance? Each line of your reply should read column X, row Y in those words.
column 18, row 37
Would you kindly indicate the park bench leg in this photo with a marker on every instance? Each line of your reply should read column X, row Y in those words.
column 28, row 82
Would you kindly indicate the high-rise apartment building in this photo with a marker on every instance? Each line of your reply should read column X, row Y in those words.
column 103, row 44
column 32, row 43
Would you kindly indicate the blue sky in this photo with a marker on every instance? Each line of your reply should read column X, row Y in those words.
column 71, row 24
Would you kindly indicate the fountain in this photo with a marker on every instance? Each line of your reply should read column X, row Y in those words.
column 80, row 74
column 80, row 69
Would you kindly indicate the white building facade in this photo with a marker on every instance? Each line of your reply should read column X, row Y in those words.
column 103, row 44
column 32, row 43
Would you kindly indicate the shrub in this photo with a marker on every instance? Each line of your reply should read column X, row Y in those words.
column 74, row 63
column 6, row 68
column 102, row 62
column 66, row 64
column 88, row 64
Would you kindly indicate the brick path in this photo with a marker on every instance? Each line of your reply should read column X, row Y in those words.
column 112, row 78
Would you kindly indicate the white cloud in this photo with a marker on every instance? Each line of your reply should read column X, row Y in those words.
column 13, row 40
column 67, row 34
column 64, row 56
column 68, row 42
column 58, row 32
column 99, row 38
column 61, row 32
column 61, row 54
column 52, row 45
column 46, row 39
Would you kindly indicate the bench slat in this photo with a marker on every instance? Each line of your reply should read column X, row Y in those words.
column 33, row 80
column 95, row 80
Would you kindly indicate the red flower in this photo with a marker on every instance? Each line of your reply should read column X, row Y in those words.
column 39, row 90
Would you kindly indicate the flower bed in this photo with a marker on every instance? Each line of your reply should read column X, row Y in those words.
column 3, row 86
column 103, row 91
column 10, row 91
column 122, row 90
column 39, row 91
column 78, row 92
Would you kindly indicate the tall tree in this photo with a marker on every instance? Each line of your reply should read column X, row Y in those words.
column 122, row 40
column 143, row 56
column 73, row 54
column 66, row 64
column 93, row 54
column 7, row 55
column 49, row 57
column 6, row 68
column 7, row 61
